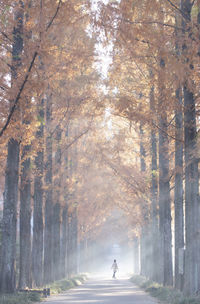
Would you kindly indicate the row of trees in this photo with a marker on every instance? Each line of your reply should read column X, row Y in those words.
column 73, row 155
column 154, row 83
column 46, row 60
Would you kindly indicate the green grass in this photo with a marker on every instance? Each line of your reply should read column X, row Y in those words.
column 30, row 298
column 65, row 284
column 167, row 295
column 20, row 298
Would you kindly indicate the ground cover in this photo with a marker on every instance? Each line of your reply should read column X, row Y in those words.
column 30, row 298
column 167, row 295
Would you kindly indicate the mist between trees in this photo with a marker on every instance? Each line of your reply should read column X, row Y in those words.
column 96, row 143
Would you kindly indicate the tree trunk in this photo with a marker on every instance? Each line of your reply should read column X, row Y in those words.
column 164, row 202
column 57, row 209
column 154, row 194
column 164, row 188
column 9, row 223
column 37, row 247
column 25, row 221
column 192, row 214
column 48, row 236
column 191, row 196
column 56, row 241
column 69, row 248
column 178, row 191
column 154, row 197
column 72, row 244
column 74, row 241
column 64, row 242
column 136, row 266
column 8, row 254
column 144, row 250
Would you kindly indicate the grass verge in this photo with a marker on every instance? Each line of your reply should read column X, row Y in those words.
column 30, row 298
column 20, row 298
column 65, row 284
column 167, row 295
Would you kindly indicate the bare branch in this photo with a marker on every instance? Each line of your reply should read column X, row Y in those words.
column 77, row 138
column 151, row 22
column 179, row 10
column 54, row 16
column 6, row 36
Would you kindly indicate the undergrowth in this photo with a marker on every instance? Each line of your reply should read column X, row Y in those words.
column 167, row 295
column 20, row 298
column 30, row 298
column 65, row 284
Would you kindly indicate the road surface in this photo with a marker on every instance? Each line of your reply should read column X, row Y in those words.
column 103, row 291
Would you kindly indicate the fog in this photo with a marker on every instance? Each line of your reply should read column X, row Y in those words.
column 96, row 256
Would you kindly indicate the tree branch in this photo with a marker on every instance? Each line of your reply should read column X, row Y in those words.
column 27, row 76
column 150, row 22
column 54, row 16
column 18, row 95
column 77, row 138
column 179, row 10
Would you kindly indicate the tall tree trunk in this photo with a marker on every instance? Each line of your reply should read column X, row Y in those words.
column 178, row 187
column 65, row 217
column 25, row 221
column 8, row 274
column 69, row 247
column 8, row 250
column 56, row 241
column 192, row 214
column 37, row 247
column 164, row 188
column 136, row 266
column 74, row 241
column 57, row 209
column 191, row 196
column 64, row 242
column 154, row 196
column 178, row 191
column 72, row 244
column 144, row 250
column 48, row 235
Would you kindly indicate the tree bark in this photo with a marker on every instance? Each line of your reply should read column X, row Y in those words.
column 178, row 190
column 69, row 248
column 9, row 223
column 57, row 209
column 191, row 196
column 164, row 188
column 154, row 196
column 164, row 202
column 136, row 266
column 192, row 214
column 48, row 235
column 64, row 242
column 25, row 221
column 38, row 226
column 144, row 249
column 56, row 241
column 74, row 241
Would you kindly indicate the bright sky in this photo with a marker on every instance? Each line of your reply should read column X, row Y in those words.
column 104, row 51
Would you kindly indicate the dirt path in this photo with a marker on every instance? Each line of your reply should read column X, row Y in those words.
column 103, row 291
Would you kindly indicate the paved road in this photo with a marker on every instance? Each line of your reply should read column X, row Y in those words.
column 103, row 291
